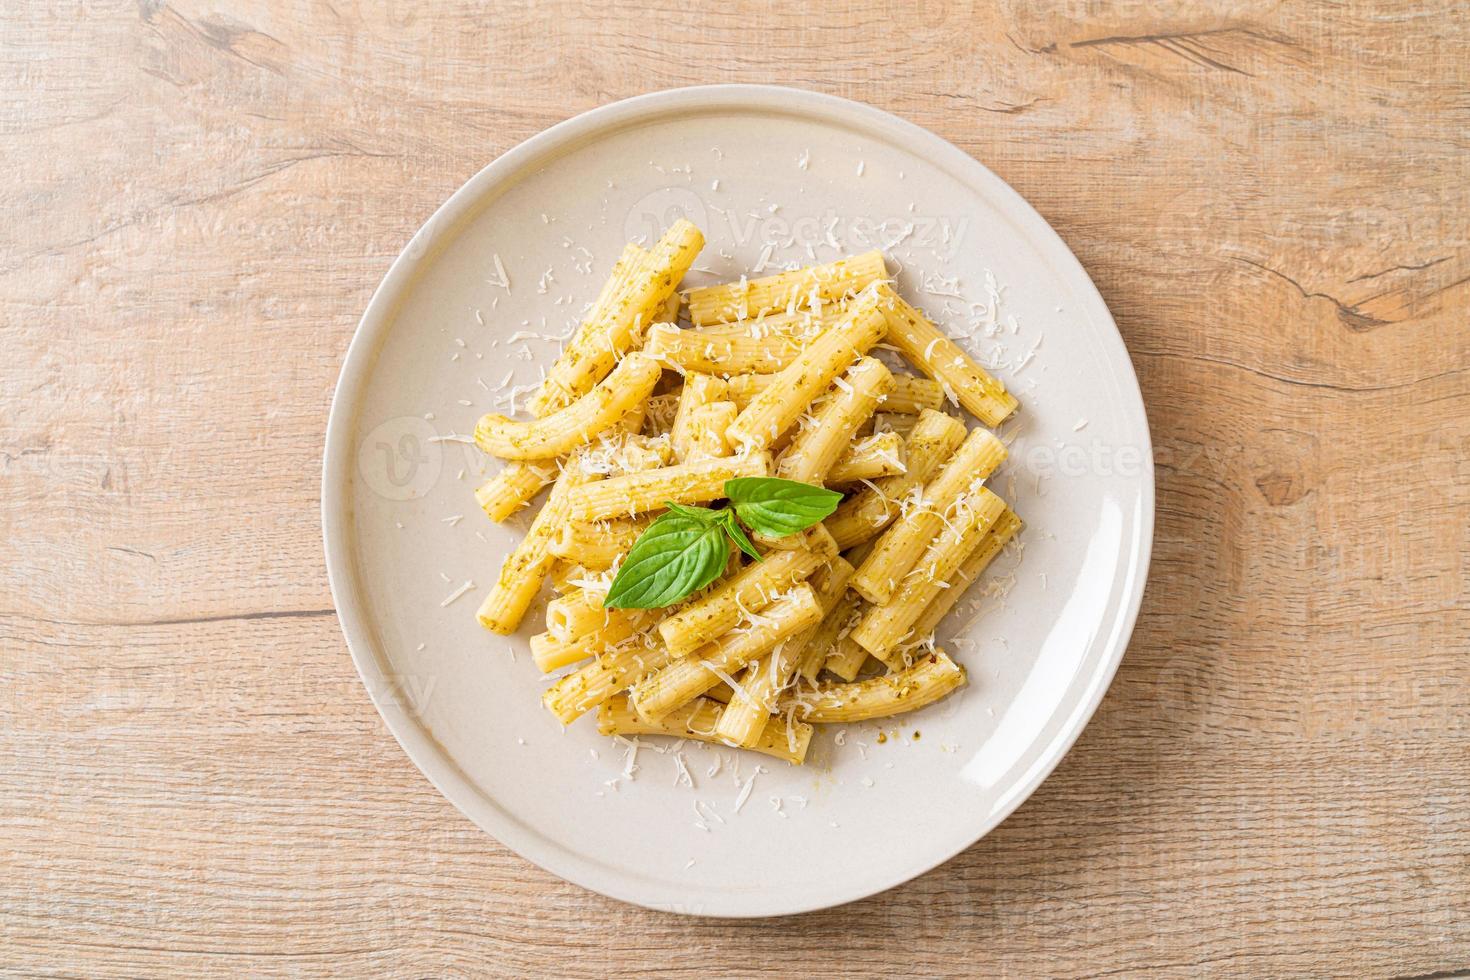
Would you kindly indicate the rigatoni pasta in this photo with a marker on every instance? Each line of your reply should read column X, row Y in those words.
column 817, row 448
column 873, row 458
column 513, row 487
column 928, row 349
column 813, row 286
column 616, row 325
column 630, row 383
column 641, row 426
column 774, row 410
column 901, row 545
column 638, row 493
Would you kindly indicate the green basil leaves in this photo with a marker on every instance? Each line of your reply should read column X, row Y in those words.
column 680, row 553
column 776, row 507
column 687, row 548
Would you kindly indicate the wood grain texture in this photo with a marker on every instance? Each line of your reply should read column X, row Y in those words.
column 1273, row 200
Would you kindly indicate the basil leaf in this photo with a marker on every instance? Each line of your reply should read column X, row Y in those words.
column 737, row 534
column 776, row 507
column 675, row 556
column 702, row 514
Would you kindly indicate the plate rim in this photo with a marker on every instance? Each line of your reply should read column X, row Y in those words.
column 339, row 455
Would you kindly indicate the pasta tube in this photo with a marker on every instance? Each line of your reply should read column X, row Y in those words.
column 763, row 346
column 1006, row 526
column 875, row 457
column 613, row 329
column 742, row 388
column 699, row 390
column 616, row 453
column 592, row 414
column 687, row 678
column 596, row 546
column 812, row 285
column 749, row 591
column 575, row 614
column 568, row 576
column 866, row 513
column 883, row 626
column 549, row 398
column 846, row 659
column 525, row 569
column 551, row 653
column 587, row 687
column 747, row 716
column 799, row 327
column 817, row 447
column 693, row 350
column 773, row 411
column 911, row 395
column 902, row 544
column 707, row 426
column 879, row 697
column 836, row 624
column 900, row 423
column 699, row 720
column 639, row 493
column 513, row 487
column 928, row 349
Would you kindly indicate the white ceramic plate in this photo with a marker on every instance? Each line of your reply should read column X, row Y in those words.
column 792, row 176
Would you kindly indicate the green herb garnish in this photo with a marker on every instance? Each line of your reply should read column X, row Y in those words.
column 686, row 549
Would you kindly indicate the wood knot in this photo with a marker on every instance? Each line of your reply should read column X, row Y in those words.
column 1281, row 489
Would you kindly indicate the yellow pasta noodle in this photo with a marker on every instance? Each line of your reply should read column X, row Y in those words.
column 707, row 427
column 816, row 448
column 877, row 456
column 513, row 487
column 691, row 350
column 749, row 591
column 699, row 720
column 764, row 679
column 836, row 623
column 596, row 546
column 798, row 327
column 551, row 653
column 576, row 613
column 614, row 329
column 549, row 398
column 883, row 626
column 911, row 395
column 902, row 544
column 764, row 346
column 865, row 514
column 699, row 390
column 879, row 697
column 639, row 493
column 687, row 678
column 899, row 423
column 587, row 687
column 524, row 570
column 579, row 423
column 846, row 659
column 750, row 298
column 1006, row 527
column 773, row 411
column 928, row 349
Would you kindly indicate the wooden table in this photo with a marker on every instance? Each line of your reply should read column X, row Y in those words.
column 1273, row 200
